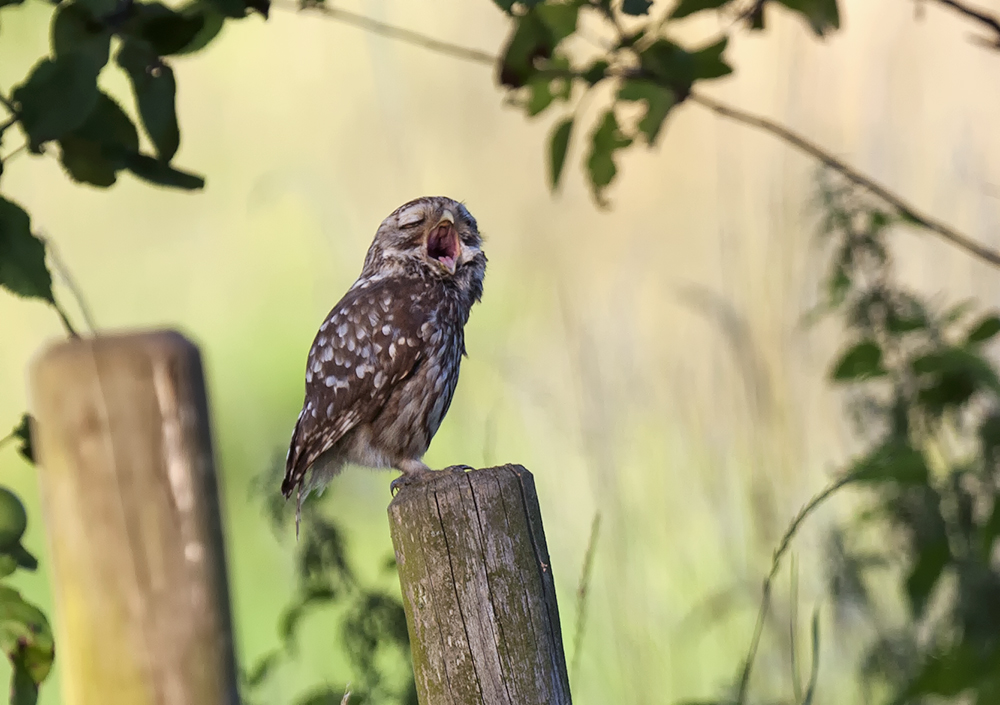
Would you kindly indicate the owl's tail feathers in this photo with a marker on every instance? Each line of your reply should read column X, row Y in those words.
column 295, row 474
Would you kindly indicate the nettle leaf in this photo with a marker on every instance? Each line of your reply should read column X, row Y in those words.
column 636, row 8
column 22, row 255
column 708, row 62
column 98, row 150
column 984, row 330
column 931, row 561
column 658, row 100
column 950, row 377
column 862, row 361
column 605, row 141
column 56, row 98
column 154, row 88
column 76, row 32
column 558, row 146
column 689, row 7
column 822, row 15
column 893, row 461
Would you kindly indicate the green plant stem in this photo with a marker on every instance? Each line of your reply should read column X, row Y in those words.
column 765, row 601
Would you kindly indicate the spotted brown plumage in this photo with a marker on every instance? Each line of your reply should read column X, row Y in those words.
column 384, row 365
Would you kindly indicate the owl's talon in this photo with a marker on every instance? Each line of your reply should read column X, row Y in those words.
column 460, row 469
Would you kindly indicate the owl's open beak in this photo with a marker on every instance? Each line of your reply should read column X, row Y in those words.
column 443, row 244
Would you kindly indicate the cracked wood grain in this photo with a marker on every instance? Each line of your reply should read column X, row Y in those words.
column 131, row 511
column 478, row 590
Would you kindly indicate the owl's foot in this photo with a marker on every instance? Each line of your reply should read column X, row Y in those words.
column 417, row 476
column 410, row 477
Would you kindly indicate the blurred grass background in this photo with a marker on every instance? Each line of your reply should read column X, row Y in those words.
column 649, row 362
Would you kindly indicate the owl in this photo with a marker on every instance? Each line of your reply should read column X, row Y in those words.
column 384, row 365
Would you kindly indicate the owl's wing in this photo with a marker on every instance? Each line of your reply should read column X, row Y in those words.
column 367, row 345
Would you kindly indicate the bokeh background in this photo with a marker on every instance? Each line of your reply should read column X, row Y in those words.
column 649, row 361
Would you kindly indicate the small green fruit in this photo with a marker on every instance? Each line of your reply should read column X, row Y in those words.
column 13, row 519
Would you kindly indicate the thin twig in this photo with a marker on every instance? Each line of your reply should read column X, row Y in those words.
column 14, row 153
column 7, row 103
column 980, row 16
column 905, row 209
column 64, row 274
column 765, row 600
column 387, row 30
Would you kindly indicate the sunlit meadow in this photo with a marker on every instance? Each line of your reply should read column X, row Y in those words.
column 648, row 362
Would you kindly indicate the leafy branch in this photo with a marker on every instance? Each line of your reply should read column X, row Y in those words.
column 650, row 70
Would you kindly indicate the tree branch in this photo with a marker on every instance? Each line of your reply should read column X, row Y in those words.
column 392, row 32
column 905, row 209
column 980, row 16
column 480, row 57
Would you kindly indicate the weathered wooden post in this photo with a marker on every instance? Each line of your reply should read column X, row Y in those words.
column 478, row 592
column 131, row 513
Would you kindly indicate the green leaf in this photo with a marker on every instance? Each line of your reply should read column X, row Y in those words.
column 951, row 376
column 893, row 461
column 540, row 96
column 99, row 8
column 596, row 72
column 56, row 98
column 5, row 3
column 213, row 20
column 154, row 88
column 8, row 564
column 984, row 330
column 636, row 8
column 605, row 141
column 708, row 62
column 75, row 32
column 22, row 255
column 689, row 7
column 930, row 563
column 166, row 31
column 99, row 149
column 535, row 38
column 822, row 15
column 13, row 519
column 156, row 172
column 560, row 19
column 558, row 146
column 658, row 100
column 670, row 66
column 862, row 361
column 22, row 432
column 25, row 636
column 262, row 669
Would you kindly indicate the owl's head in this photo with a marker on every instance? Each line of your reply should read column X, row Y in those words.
column 433, row 236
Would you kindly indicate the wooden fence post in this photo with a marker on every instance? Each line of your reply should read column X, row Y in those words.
column 131, row 513
column 478, row 592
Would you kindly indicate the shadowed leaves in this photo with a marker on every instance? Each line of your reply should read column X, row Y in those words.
column 22, row 255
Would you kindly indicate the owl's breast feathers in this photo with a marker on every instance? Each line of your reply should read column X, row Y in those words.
column 381, row 338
